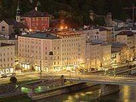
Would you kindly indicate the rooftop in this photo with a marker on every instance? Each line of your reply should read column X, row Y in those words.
column 5, row 44
column 117, row 47
column 67, row 33
column 128, row 33
column 42, row 36
column 96, row 42
column 34, row 13
column 101, row 28
column 118, row 44
column 14, row 23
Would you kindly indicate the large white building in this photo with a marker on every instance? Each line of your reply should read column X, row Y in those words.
column 61, row 50
column 7, row 58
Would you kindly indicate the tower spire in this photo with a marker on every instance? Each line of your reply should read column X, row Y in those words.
column 37, row 5
column 18, row 8
column 18, row 18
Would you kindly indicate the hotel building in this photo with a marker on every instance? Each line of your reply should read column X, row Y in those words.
column 51, row 50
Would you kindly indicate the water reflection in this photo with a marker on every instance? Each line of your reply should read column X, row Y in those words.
column 126, row 94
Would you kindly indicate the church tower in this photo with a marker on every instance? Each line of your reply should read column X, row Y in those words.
column 18, row 15
column 91, row 15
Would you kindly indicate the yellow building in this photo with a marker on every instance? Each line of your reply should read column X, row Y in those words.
column 7, row 58
column 98, row 55
column 61, row 50
column 128, row 38
column 120, row 53
column 38, row 50
column 73, row 48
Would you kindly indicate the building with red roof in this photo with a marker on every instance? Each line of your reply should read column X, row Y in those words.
column 36, row 20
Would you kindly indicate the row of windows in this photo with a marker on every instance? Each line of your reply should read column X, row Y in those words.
column 5, row 54
column 71, row 40
column 66, row 59
column 30, row 41
column 56, row 63
column 71, row 44
column 68, row 63
column 7, row 65
column 22, row 51
column 33, row 46
column 6, row 59
column 73, row 54
column 39, row 24
column 43, row 18
column 55, row 48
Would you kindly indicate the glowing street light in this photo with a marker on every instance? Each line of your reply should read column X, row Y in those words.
column 30, row 30
column 62, row 27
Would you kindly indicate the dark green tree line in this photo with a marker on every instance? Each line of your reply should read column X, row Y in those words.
column 78, row 9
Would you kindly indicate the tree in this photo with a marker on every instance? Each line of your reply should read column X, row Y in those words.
column 78, row 9
column 13, row 80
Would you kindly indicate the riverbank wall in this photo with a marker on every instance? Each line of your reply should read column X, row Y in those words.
column 59, row 91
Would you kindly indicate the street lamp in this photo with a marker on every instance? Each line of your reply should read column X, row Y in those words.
column 40, row 69
column 114, row 72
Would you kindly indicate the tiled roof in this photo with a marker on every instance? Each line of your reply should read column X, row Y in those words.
column 117, row 47
column 96, row 42
column 41, row 36
column 5, row 44
column 128, row 33
column 101, row 28
column 34, row 13
column 14, row 23
column 118, row 44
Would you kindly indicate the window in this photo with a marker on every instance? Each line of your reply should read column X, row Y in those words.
column 3, row 28
column 50, row 53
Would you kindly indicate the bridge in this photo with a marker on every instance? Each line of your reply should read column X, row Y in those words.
column 101, row 79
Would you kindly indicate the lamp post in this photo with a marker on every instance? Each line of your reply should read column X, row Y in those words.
column 114, row 72
column 40, row 69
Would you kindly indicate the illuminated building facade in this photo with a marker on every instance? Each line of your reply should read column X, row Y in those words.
column 128, row 38
column 98, row 55
column 120, row 53
column 73, row 48
column 7, row 58
column 51, row 50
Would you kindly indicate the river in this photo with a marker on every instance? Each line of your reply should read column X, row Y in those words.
column 126, row 94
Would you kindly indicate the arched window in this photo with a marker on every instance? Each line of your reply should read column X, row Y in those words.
column 50, row 53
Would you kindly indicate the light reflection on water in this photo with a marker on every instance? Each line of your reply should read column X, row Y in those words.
column 126, row 94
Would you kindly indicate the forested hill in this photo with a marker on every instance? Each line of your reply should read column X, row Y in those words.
column 76, row 10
